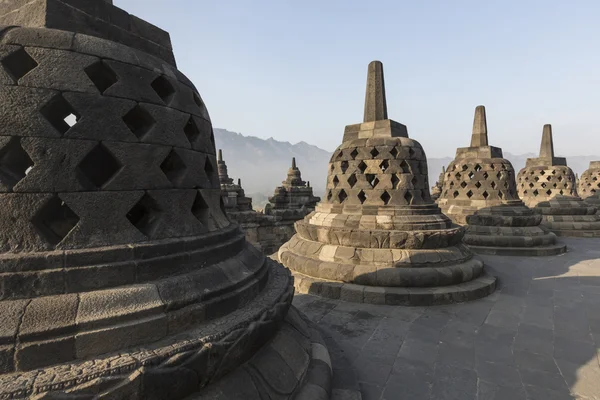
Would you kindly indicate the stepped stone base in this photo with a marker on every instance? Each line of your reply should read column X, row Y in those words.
column 551, row 250
column 570, row 216
column 477, row 288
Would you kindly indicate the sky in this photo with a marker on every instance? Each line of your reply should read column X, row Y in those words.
column 296, row 70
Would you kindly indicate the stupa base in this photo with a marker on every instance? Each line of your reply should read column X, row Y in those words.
column 550, row 250
column 576, row 233
column 477, row 288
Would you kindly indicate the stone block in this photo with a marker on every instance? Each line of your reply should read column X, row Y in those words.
column 11, row 313
column 352, row 293
column 49, row 316
column 38, row 354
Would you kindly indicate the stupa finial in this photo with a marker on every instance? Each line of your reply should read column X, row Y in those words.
column 547, row 147
column 293, row 162
column 479, row 137
column 375, row 103
column 220, row 157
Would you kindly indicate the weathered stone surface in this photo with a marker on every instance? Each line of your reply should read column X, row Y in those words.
column 480, row 192
column 121, row 275
column 378, row 237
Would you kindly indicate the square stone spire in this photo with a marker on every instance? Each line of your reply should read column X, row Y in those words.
column 546, row 151
column 98, row 18
column 376, row 122
column 480, row 147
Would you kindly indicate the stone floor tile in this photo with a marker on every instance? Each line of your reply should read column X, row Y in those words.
column 544, row 379
column 536, row 362
column 500, row 374
column 370, row 391
column 538, row 393
column 490, row 391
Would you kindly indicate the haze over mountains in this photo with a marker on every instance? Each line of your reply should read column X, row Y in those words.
column 262, row 164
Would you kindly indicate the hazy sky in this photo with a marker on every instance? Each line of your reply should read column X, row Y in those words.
column 295, row 70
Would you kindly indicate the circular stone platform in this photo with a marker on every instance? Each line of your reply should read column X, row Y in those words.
column 377, row 236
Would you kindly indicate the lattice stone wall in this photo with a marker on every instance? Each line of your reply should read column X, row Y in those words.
column 93, row 158
column 379, row 172
column 589, row 183
column 480, row 179
column 541, row 183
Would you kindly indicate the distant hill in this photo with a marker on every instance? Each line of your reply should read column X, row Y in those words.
column 263, row 164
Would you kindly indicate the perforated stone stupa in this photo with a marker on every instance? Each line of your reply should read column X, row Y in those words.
column 436, row 191
column 121, row 277
column 548, row 184
column 378, row 237
column 480, row 192
column 589, row 184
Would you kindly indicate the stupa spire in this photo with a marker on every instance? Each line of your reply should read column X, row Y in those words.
column 479, row 137
column 293, row 162
column 547, row 147
column 220, row 157
column 375, row 103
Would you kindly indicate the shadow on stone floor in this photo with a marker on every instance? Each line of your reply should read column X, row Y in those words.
column 535, row 338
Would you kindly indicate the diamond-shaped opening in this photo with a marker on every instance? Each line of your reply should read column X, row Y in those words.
column 548, row 192
column 498, row 175
column 485, row 175
column 15, row 163
column 465, row 167
column 344, row 166
column 362, row 197
column 561, row 191
column 505, row 184
column 535, row 192
column 201, row 210
column 340, row 154
column 174, row 167
column 537, row 178
column 589, row 184
column 544, row 184
column 595, row 179
column 485, row 194
column 60, row 114
column 471, row 174
column 477, row 167
column 463, row 185
column 531, row 185
column 469, row 194
column 405, row 168
column 19, row 64
column 191, row 130
column 394, row 152
column 372, row 179
column 411, row 152
column 478, row 184
column 342, row 196
column 408, row 197
column 329, row 195
column 335, row 181
column 354, row 153
column 549, row 178
column 542, row 172
column 525, row 192
column 139, row 121
column 458, row 175
column 451, row 183
column 492, row 166
column 101, row 75
column 55, row 220
column 352, row 180
column 560, row 178
column 163, row 88
column 332, row 167
column 500, row 195
column 362, row 167
column 385, row 196
column 553, row 172
column 374, row 152
column 99, row 166
column 493, row 185
column 414, row 181
column 145, row 215
column 455, row 194
column 209, row 170
column 555, row 185
column 395, row 181
column 384, row 165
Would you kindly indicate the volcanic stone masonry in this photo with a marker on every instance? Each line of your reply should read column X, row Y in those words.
column 266, row 232
column 120, row 275
column 480, row 192
column 378, row 237
column 589, row 185
column 436, row 190
column 292, row 201
column 548, row 184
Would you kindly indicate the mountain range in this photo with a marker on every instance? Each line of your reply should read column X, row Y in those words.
column 262, row 164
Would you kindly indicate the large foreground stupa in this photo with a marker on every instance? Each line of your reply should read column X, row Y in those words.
column 480, row 192
column 548, row 184
column 378, row 237
column 120, row 275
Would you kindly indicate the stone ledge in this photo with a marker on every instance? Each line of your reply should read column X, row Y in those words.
column 480, row 287
column 521, row 251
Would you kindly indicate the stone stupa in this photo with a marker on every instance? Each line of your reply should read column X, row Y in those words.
column 480, row 192
column 121, row 276
column 548, row 184
column 436, row 190
column 589, row 185
column 378, row 237
column 234, row 197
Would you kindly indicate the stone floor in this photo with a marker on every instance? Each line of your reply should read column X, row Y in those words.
column 536, row 337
